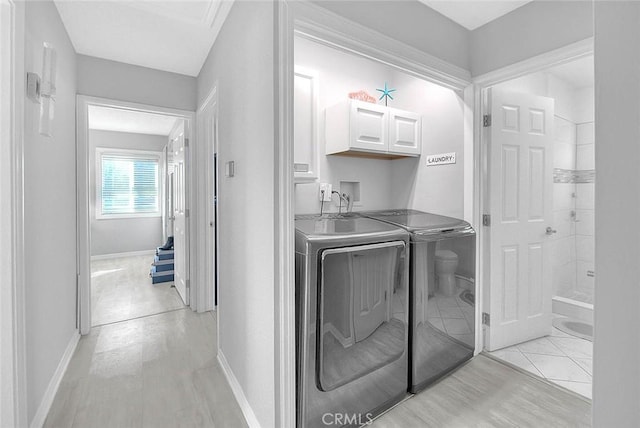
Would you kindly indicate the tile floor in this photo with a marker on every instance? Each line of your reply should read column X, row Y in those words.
column 560, row 358
column 121, row 289
column 453, row 316
column 157, row 371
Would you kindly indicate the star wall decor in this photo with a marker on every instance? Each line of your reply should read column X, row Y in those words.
column 386, row 93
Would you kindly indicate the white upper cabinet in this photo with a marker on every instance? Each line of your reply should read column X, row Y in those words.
column 359, row 128
column 369, row 127
column 405, row 132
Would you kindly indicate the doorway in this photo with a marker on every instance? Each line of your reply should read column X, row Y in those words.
column 539, row 194
column 134, row 163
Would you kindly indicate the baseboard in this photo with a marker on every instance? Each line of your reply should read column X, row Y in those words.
column 247, row 411
column 54, row 384
column 128, row 254
column 344, row 341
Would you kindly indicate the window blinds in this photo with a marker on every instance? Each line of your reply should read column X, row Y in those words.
column 129, row 184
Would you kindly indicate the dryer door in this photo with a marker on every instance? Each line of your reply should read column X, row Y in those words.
column 362, row 311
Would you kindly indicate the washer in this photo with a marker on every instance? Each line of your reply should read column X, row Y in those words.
column 442, row 292
column 352, row 277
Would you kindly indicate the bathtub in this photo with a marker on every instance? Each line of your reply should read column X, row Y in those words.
column 573, row 309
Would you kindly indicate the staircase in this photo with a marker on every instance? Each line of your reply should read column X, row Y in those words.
column 162, row 266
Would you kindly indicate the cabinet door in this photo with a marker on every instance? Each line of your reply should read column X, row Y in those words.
column 405, row 133
column 305, row 125
column 369, row 127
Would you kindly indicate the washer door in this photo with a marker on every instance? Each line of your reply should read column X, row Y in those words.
column 361, row 311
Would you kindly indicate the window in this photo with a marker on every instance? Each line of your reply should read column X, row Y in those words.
column 128, row 184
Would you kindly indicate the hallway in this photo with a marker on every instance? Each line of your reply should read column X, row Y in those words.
column 156, row 371
column 121, row 290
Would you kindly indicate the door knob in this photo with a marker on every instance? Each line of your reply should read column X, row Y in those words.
column 550, row 231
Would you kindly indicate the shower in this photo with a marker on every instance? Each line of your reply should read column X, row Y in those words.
column 574, row 273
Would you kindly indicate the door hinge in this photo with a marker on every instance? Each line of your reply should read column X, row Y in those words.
column 486, row 319
column 186, row 212
column 486, row 120
column 486, row 220
column 186, row 142
column 188, row 284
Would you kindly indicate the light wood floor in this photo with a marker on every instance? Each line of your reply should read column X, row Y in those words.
column 161, row 371
column 487, row 393
column 158, row 371
column 121, row 289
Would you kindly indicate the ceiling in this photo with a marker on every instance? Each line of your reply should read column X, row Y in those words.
column 177, row 36
column 472, row 14
column 578, row 73
column 173, row 36
column 119, row 120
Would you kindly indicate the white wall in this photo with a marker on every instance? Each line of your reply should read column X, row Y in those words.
column 570, row 102
column 534, row 83
column 111, row 236
column 49, row 208
column 125, row 82
column 616, row 363
column 410, row 22
column 338, row 74
column 242, row 62
column 584, row 108
column 533, row 29
column 437, row 189
column 386, row 183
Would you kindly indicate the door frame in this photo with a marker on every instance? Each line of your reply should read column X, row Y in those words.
column 304, row 19
column 482, row 139
column 83, row 202
column 13, row 399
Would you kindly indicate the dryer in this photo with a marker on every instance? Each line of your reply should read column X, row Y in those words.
column 442, row 292
column 351, row 319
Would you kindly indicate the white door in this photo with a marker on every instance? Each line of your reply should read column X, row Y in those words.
column 372, row 273
column 180, row 231
column 520, row 201
column 369, row 127
column 208, row 122
column 405, row 132
column 167, row 197
column 170, row 206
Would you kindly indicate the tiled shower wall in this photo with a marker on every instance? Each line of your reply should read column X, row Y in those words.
column 585, row 183
column 563, row 246
column 573, row 208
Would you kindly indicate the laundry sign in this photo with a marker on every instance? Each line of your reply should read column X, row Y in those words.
column 441, row 159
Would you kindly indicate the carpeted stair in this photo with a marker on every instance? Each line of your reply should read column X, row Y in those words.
column 162, row 266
